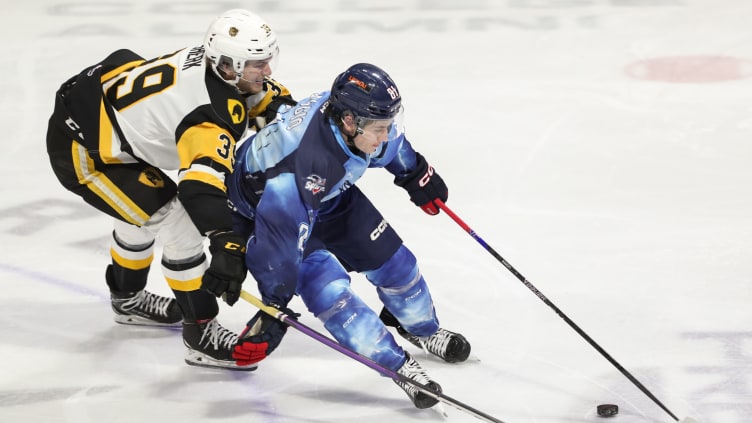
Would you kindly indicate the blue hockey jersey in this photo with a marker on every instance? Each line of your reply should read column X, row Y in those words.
column 290, row 174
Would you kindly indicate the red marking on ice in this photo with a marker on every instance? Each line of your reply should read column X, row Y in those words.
column 689, row 69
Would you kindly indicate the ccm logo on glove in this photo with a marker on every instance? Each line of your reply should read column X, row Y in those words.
column 426, row 178
column 231, row 246
column 227, row 270
column 424, row 186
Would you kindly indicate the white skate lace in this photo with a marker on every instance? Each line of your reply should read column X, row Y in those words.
column 436, row 343
column 217, row 336
column 148, row 302
column 412, row 369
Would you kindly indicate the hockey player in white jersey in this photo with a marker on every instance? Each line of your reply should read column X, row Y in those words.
column 294, row 194
column 118, row 125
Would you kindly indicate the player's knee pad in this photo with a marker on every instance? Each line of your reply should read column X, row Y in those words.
column 400, row 270
column 321, row 281
column 180, row 238
column 132, row 237
column 183, row 258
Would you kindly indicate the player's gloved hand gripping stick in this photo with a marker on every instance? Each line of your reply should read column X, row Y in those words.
column 262, row 335
column 424, row 186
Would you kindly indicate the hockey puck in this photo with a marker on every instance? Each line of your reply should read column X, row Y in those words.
column 608, row 410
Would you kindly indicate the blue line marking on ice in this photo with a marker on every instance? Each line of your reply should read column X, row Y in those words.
column 52, row 280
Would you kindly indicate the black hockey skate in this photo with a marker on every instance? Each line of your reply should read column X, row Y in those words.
column 210, row 345
column 144, row 308
column 447, row 345
column 412, row 370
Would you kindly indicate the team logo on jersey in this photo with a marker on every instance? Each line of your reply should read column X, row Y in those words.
column 315, row 184
column 237, row 111
column 151, row 178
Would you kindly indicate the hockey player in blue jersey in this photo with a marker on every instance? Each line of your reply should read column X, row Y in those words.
column 293, row 193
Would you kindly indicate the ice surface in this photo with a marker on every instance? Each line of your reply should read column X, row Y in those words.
column 601, row 147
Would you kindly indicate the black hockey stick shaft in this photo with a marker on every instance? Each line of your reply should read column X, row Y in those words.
column 548, row 302
column 277, row 314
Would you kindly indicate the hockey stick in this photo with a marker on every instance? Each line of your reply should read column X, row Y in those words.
column 561, row 314
column 277, row 314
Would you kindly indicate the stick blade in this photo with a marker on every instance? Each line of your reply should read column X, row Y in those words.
column 689, row 420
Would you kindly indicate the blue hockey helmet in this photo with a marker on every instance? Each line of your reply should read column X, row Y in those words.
column 367, row 92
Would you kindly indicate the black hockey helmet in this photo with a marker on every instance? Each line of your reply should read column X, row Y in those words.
column 367, row 92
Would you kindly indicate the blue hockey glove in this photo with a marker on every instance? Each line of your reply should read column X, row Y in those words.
column 424, row 186
column 227, row 270
column 262, row 335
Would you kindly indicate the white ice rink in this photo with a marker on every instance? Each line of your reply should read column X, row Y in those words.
column 602, row 147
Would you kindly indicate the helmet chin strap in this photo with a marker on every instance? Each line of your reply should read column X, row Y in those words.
column 350, row 139
column 238, row 87
column 225, row 75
